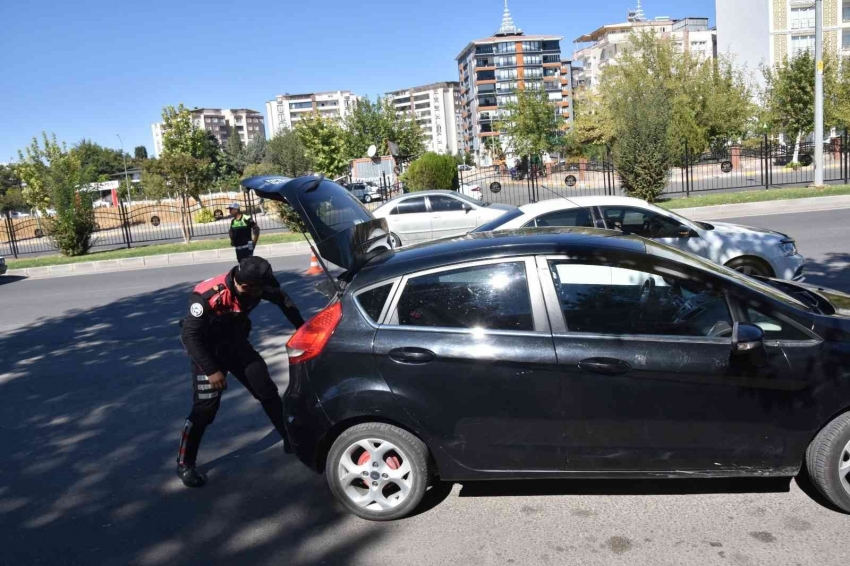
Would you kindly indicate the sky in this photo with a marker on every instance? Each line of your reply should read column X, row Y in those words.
column 92, row 69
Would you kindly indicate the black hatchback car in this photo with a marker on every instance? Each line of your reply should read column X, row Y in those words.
column 554, row 354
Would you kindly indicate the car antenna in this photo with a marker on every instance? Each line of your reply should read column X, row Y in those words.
column 572, row 202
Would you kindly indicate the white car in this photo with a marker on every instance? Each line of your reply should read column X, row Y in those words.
column 429, row 215
column 752, row 251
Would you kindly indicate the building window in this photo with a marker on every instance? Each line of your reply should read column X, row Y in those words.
column 531, row 46
column 534, row 73
column 532, row 59
column 506, row 74
column 506, row 61
column 803, row 18
column 509, row 47
column 802, row 43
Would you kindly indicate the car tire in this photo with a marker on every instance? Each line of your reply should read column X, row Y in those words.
column 378, row 496
column 396, row 240
column 751, row 266
column 367, row 198
column 828, row 462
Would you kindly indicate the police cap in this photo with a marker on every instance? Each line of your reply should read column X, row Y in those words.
column 254, row 270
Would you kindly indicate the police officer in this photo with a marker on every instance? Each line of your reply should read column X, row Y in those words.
column 244, row 232
column 215, row 335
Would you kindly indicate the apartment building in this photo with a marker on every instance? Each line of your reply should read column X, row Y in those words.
column 436, row 108
column 759, row 32
column 286, row 109
column 219, row 121
column 492, row 69
column 603, row 46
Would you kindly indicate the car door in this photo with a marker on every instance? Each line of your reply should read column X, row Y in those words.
column 449, row 216
column 411, row 220
column 467, row 351
column 651, row 224
column 650, row 382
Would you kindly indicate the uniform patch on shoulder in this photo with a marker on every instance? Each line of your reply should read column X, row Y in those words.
column 197, row 309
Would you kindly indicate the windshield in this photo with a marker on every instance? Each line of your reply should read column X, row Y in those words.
column 678, row 217
column 503, row 219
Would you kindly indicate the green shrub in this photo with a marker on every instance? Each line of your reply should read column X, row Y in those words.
column 204, row 216
column 432, row 171
column 72, row 228
column 289, row 217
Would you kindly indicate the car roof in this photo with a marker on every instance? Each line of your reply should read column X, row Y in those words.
column 550, row 205
column 415, row 194
column 490, row 245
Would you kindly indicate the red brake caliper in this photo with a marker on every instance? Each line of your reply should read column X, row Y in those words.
column 393, row 462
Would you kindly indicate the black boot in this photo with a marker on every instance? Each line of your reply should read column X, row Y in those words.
column 190, row 476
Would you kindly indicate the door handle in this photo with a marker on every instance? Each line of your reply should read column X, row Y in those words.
column 605, row 366
column 412, row 355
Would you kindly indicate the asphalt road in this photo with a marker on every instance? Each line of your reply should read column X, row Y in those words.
column 95, row 388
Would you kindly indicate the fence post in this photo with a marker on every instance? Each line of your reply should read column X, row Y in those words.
column 10, row 230
column 845, row 154
column 687, row 170
column 125, row 223
column 767, row 171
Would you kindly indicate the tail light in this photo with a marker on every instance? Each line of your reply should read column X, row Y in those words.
column 309, row 341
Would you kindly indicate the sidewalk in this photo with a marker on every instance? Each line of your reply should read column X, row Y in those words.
column 147, row 262
column 812, row 204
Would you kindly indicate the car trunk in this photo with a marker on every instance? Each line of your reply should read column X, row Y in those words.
column 344, row 231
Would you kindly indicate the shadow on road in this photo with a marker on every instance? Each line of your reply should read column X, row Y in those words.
column 833, row 272
column 93, row 404
column 4, row 279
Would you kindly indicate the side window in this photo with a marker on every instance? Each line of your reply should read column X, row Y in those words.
column 564, row 218
column 373, row 300
column 441, row 203
column 774, row 329
column 641, row 222
column 601, row 299
column 411, row 206
column 493, row 297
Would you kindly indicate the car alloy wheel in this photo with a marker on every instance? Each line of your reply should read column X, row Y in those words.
column 367, row 198
column 750, row 267
column 375, row 474
column 844, row 468
column 828, row 462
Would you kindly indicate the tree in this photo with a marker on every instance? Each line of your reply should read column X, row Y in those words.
column 642, row 152
column 324, row 144
column 11, row 189
column 98, row 162
column 287, row 214
column 592, row 123
column 255, row 151
column 55, row 178
column 140, row 153
column 234, row 147
column 432, row 171
column 493, row 147
column 531, row 124
column 178, row 174
column 377, row 123
column 288, row 155
column 789, row 96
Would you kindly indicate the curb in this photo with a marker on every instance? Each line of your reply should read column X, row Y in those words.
column 765, row 208
column 165, row 260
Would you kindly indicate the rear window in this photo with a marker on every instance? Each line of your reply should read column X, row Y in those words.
column 333, row 209
column 373, row 300
column 498, row 222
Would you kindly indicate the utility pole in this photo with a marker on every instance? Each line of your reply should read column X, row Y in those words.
column 819, row 93
column 126, row 179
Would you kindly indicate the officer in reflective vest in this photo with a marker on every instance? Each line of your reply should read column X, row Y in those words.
column 215, row 334
column 244, row 232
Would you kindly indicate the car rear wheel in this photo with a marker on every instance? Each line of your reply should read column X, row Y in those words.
column 751, row 266
column 395, row 240
column 378, row 471
column 367, row 198
column 828, row 462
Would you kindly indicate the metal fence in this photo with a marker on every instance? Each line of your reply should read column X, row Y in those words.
column 127, row 225
column 760, row 165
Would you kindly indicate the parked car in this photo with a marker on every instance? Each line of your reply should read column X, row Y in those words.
column 366, row 192
column 429, row 215
column 465, row 168
column 19, row 215
column 752, row 251
column 560, row 353
column 3, row 266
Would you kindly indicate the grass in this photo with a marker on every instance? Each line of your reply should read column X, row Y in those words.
column 157, row 249
column 754, row 196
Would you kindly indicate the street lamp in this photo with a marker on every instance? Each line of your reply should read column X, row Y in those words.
column 126, row 179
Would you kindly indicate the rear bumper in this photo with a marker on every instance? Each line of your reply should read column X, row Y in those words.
column 788, row 267
column 306, row 421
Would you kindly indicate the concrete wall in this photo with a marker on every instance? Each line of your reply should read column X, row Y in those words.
column 743, row 31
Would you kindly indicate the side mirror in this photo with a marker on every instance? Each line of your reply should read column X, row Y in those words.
column 684, row 231
column 746, row 338
column 467, row 207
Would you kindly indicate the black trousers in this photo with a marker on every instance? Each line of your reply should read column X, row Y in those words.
column 249, row 368
column 243, row 253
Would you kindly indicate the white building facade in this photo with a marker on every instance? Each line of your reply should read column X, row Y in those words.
column 436, row 108
column 286, row 110
column 603, row 46
column 219, row 121
column 759, row 32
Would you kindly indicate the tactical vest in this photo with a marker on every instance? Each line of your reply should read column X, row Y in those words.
column 240, row 230
column 217, row 295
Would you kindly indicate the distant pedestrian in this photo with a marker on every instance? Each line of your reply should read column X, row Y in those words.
column 244, row 232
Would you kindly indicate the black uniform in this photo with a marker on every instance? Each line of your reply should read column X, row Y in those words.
column 242, row 236
column 215, row 335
